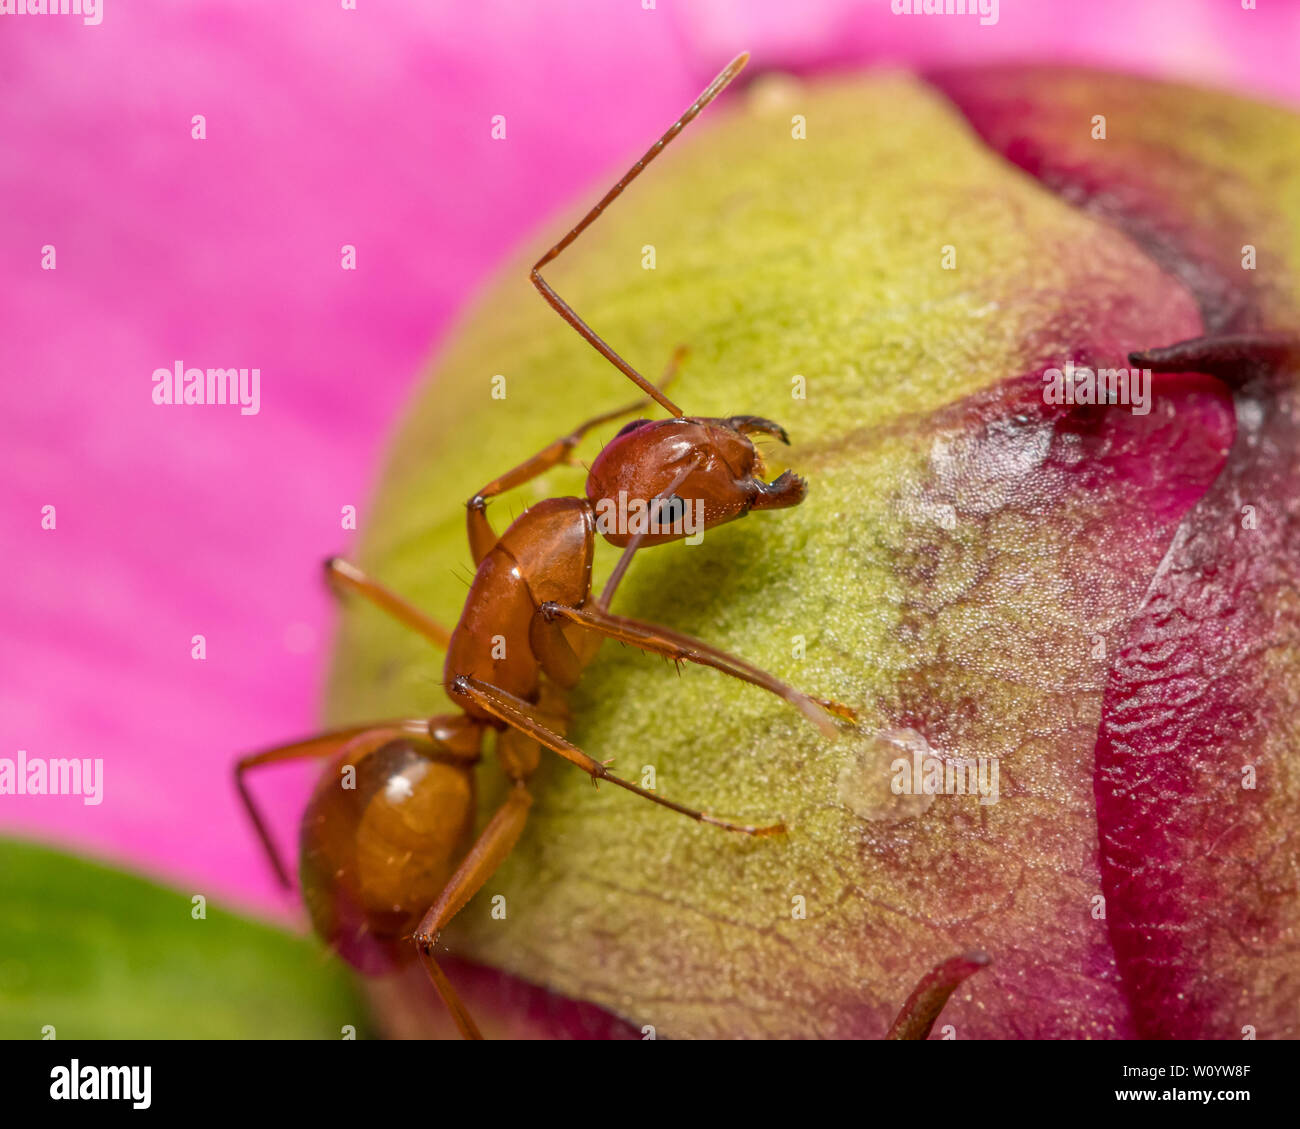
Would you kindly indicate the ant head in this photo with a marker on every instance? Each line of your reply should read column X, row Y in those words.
column 704, row 472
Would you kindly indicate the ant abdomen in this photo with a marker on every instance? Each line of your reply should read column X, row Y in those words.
column 386, row 826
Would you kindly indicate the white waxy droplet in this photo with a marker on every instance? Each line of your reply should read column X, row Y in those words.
column 865, row 782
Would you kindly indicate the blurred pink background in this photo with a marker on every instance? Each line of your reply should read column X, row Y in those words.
column 325, row 126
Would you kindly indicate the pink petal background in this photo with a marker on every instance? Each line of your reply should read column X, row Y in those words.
column 325, row 127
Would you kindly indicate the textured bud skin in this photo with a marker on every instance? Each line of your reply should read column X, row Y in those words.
column 962, row 550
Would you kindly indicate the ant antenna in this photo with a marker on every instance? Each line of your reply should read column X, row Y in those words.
column 559, row 305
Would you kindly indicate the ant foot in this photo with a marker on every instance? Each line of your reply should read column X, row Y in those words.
column 839, row 709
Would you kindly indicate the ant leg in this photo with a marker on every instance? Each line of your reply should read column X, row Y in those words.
column 620, row 570
column 514, row 712
column 559, row 305
column 343, row 575
column 495, row 842
column 481, row 536
column 678, row 647
column 928, row 997
column 322, row 745
column 1219, row 355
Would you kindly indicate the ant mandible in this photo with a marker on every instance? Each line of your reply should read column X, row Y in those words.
column 388, row 861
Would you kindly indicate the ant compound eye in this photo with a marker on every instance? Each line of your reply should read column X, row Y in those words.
column 632, row 427
column 671, row 509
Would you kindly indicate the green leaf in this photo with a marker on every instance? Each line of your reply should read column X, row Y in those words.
column 96, row 953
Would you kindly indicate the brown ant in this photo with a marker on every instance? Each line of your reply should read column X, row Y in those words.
column 389, row 859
